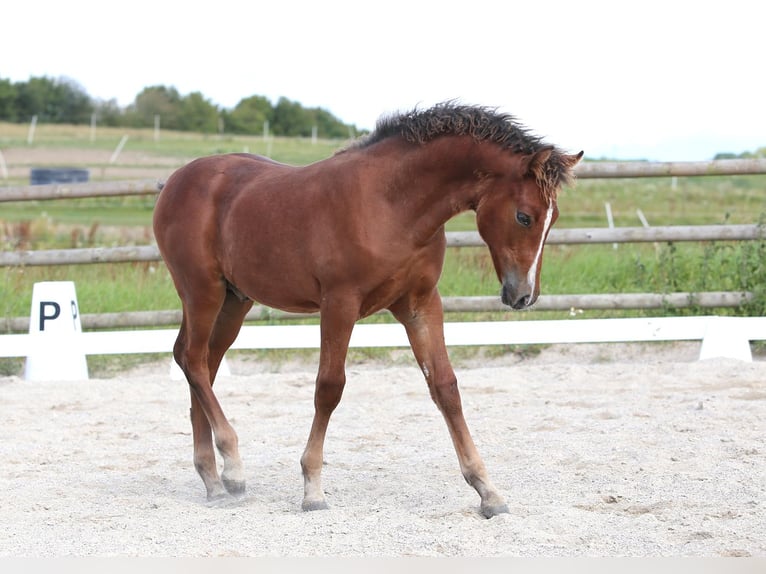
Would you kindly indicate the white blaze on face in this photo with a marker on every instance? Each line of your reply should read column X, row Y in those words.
column 532, row 273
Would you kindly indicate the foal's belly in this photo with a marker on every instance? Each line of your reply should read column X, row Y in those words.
column 303, row 292
column 275, row 292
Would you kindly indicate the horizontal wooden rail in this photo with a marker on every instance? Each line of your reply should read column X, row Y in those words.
column 742, row 232
column 585, row 170
column 603, row 301
column 618, row 169
column 454, row 239
column 83, row 256
column 79, row 190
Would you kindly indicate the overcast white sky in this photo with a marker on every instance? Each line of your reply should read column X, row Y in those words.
column 669, row 80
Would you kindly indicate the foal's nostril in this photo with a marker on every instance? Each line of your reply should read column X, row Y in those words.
column 523, row 302
column 513, row 300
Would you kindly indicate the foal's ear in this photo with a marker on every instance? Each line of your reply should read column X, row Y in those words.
column 572, row 160
column 533, row 163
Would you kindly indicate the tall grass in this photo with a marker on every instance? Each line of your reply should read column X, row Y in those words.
column 632, row 268
column 724, row 266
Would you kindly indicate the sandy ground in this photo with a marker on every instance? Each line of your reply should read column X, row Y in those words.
column 611, row 450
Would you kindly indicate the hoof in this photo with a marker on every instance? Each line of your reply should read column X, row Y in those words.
column 491, row 510
column 310, row 505
column 234, row 487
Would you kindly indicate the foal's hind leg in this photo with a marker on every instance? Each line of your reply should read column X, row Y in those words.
column 202, row 435
column 423, row 320
column 227, row 326
column 205, row 334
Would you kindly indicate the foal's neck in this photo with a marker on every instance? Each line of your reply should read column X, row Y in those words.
column 437, row 180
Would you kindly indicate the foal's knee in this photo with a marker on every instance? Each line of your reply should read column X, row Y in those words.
column 328, row 392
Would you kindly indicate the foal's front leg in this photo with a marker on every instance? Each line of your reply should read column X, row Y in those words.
column 425, row 329
column 336, row 326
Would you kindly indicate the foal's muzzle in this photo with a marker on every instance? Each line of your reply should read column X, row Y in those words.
column 517, row 297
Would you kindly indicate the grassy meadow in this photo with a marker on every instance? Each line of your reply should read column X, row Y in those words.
column 468, row 271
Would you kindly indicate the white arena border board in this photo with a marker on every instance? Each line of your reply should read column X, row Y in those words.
column 720, row 336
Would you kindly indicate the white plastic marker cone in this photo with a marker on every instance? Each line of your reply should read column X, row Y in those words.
column 54, row 327
column 723, row 339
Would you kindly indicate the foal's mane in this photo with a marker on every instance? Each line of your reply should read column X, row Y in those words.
column 482, row 124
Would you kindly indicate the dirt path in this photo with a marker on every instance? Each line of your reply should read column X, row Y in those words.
column 622, row 452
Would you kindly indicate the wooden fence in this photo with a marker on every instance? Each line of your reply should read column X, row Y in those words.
column 676, row 233
column 593, row 170
column 588, row 170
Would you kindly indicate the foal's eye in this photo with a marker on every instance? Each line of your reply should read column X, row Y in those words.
column 523, row 219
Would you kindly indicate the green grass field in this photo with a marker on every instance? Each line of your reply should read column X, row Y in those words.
column 468, row 271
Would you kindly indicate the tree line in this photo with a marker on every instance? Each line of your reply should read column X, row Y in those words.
column 758, row 153
column 64, row 101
